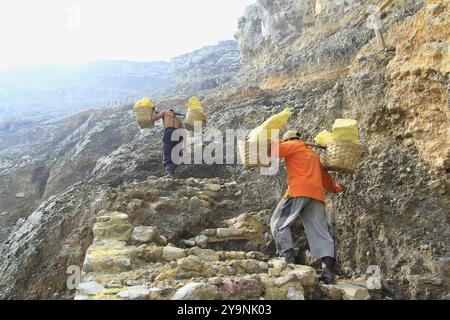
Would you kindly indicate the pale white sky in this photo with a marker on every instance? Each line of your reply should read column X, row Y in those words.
column 35, row 32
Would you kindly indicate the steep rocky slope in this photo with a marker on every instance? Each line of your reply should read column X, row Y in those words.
column 126, row 262
column 41, row 158
column 394, row 213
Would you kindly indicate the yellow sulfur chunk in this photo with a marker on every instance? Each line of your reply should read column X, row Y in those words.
column 278, row 122
column 345, row 130
column 195, row 104
column 145, row 102
column 323, row 138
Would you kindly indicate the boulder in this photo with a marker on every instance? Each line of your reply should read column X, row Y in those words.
column 249, row 266
column 212, row 187
column 273, row 272
column 352, row 292
column 280, row 281
column 144, row 234
column 113, row 225
column 206, row 254
column 168, row 274
column 201, row 240
column 330, row 292
column 196, row 204
column 197, row 291
column 230, row 233
column 109, row 256
column 173, row 253
column 374, row 283
column 189, row 242
column 234, row 255
column 255, row 255
column 294, row 294
column 241, row 288
column 279, row 264
column 305, row 274
column 278, row 288
column 150, row 253
column 134, row 293
column 192, row 263
column 90, row 288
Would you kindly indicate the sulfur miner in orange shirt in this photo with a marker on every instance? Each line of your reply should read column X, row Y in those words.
column 307, row 182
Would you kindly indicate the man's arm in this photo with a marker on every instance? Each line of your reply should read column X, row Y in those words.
column 159, row 116
column 280, row 149
column 328, row 183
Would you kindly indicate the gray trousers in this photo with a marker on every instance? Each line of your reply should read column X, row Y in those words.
column 314, row 218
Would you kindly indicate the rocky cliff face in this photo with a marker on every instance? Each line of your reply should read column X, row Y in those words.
column 267, row 25
column 207, row 68
column 394, row 213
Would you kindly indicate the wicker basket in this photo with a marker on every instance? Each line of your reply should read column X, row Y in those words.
column 342, row 156
column 254, row 154
column 193, row 116
column 144, row 117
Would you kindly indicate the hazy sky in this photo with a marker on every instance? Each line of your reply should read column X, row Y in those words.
column 72, row 31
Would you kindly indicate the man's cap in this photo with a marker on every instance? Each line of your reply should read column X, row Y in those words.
column 291, row 134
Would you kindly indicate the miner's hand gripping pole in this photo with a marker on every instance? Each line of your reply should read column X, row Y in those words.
column 316, row 146
column 180, row 114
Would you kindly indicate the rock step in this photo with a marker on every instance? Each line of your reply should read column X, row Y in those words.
column 115, row 256
column 261, row 286
column 293, row 279
column 247, row 226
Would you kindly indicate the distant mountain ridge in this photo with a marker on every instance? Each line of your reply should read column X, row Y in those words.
column 39, row 93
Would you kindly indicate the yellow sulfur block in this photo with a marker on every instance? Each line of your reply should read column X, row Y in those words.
column 145, row 102
column 195, row 104
column 346, row 130
column 323, row 138
column 278, row 122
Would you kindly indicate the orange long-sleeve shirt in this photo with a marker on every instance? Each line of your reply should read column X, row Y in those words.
column 306, row 175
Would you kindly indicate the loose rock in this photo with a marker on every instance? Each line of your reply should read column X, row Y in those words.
column 134, row 293
column 197, row 291
column 144, row 234
column 173, row 253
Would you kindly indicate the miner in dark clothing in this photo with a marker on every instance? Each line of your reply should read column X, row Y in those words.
column 171, row 124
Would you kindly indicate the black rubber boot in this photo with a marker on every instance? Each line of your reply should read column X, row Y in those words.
column 170, row 170
column 289, row 256
column 327, row 275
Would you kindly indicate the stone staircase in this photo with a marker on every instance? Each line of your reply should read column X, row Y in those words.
column 127, row 262
column 246, row 227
